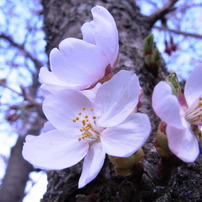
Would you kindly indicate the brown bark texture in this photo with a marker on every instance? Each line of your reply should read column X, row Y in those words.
column 159, row 180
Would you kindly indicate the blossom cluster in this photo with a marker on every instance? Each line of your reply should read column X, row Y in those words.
column 92, row 112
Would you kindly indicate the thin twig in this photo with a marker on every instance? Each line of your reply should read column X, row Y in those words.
column 21, row 47
column 168, row 7
column 25, row 96
column 179, row 32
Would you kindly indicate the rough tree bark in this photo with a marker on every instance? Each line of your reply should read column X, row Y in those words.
column 63, row 19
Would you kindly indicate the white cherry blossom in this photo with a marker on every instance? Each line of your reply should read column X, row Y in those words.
column 81, row 128
column 180, row 114
column 80, row 64
column 103, row 32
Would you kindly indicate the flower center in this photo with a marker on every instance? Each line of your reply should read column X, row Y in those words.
column 194, row 115
column 87, row 125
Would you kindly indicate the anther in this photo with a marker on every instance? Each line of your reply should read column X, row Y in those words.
column 84, row 108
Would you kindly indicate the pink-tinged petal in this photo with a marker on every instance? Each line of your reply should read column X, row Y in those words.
column 78, row 63
column 47, row 127
column 106, row 34
column 183, row 143
column 126, row 138
column 48, row 77
column 91, row 93
column 62, row 107
column 193, row 86
column 92, row 164
column 54, row 150
column 166, row 105
column 88, row 31
column 117, row 98
column 48, row 89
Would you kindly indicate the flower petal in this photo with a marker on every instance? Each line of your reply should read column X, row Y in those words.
column 48, row 77
column 78, row 63
column 62, row 107
column 54, row 150
column 51, row 89
column 126, row 138
column 88, row 31
column 193, row 86
column 107, row 40
column 91, row 93
column 183, row 143
column 117, row 98
column 166, row 105
column 47, row 127
column 50, row 82
column 92, row 164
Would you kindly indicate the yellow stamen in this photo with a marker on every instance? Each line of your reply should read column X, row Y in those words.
column 195, row 115
column 83, row 122
column 87, row 129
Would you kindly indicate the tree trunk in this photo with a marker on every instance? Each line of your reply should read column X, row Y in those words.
column 63, row 19
column 17, row 172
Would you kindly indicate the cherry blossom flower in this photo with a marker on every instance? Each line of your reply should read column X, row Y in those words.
column 181, row 114
column 79, row 128
column 79, row 64
column 107, row 40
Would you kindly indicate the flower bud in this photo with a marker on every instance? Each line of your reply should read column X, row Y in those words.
column 148, row 44
column 126, row 166
column 172, row 80
column 161, row 142
column 161, row 145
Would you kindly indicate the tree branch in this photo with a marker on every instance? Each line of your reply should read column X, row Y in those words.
column 36, row 62
column 168, row 7
column 25, row 96
column 27, row 54
column 179, row 32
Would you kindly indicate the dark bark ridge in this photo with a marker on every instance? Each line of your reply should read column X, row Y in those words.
column 63, row 19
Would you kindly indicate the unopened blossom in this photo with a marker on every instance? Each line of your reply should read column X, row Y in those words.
column 80, row 64
column 79, row 128
column 181, row 114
